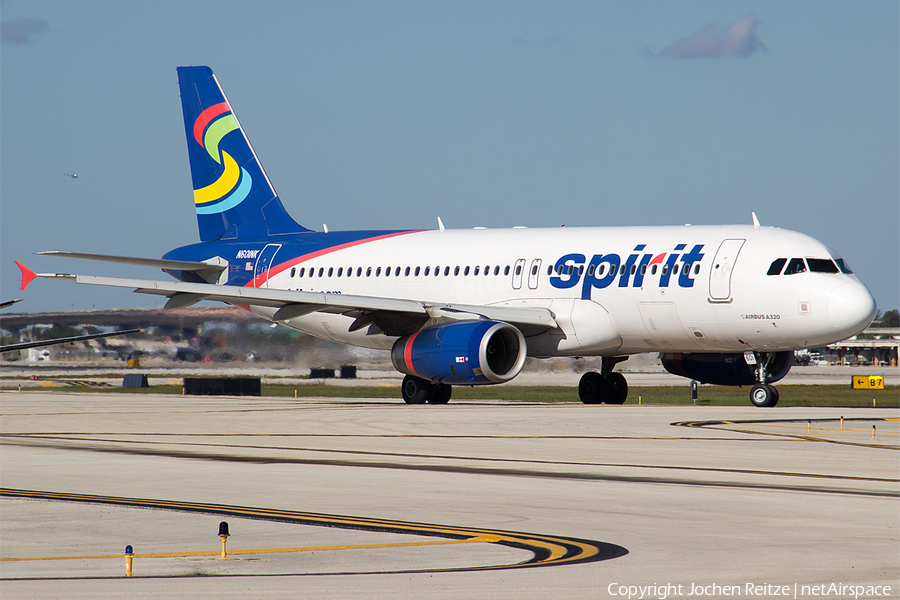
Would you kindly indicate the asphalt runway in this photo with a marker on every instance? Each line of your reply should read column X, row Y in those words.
column 372, row 498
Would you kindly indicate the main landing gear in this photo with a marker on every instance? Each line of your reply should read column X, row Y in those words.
column 763, row 394
column 419, row 391
column 605, row 386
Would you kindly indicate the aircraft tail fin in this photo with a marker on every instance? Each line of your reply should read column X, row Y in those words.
column 232, row 194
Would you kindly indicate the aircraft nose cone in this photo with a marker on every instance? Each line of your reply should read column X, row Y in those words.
column 851, row 308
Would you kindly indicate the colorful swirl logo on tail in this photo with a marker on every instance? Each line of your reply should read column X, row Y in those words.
column 233, row 186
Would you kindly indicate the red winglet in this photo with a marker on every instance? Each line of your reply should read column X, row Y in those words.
column 27, row 275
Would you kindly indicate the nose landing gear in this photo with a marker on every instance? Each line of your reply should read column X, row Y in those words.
column 763, row 394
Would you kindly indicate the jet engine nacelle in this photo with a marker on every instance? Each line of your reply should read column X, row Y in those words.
column 724, row 369
column 465, row 353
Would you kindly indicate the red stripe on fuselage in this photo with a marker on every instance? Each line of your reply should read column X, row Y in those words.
column 275, row 270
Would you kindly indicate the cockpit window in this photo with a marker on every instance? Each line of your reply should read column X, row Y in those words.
column 843, row 266
column 821, row 265
column 776, row 266
column 795, row 266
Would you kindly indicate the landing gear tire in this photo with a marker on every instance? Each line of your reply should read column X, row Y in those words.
column 440, row 393
column 764, row 395
column 618, row 387
column 415, row 390
column 592, row 388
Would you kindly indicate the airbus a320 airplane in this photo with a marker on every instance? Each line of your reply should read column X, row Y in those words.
column 726, row 305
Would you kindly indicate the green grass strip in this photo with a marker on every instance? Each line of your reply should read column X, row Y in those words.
column 790, row 395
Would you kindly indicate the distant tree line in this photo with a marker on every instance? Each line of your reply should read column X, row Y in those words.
column 890, row 318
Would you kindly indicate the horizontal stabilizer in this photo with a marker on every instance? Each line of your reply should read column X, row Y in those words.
column 159, row 263
column 10, row 302
column 77, row 338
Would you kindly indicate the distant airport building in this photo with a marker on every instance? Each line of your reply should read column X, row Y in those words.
column 877, row 346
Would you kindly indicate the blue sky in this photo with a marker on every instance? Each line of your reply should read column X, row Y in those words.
column 389, row 114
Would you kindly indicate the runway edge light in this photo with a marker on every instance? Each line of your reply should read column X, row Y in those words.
column 223, row 535
column 129, row 557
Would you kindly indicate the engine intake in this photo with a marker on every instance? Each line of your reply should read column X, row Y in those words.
column 723, row 369
column 466, row 352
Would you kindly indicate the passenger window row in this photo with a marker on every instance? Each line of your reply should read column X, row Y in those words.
column 815, row 265
column 322, row 272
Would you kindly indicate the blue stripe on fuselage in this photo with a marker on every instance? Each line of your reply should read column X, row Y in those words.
column 294, row 249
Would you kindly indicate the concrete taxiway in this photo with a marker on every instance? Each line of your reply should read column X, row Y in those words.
column 372, row 498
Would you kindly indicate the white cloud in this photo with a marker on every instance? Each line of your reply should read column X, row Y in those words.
column 739, row 39
column 20, row 29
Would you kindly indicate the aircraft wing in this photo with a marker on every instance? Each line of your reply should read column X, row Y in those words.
column 77, row 338
column 366, row 309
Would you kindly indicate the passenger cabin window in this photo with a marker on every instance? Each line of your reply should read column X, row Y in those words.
column 821, row 265
column 776, row 266
column 795, row 266
column 506, row 270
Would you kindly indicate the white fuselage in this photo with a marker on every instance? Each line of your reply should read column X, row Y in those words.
column 685, row 289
